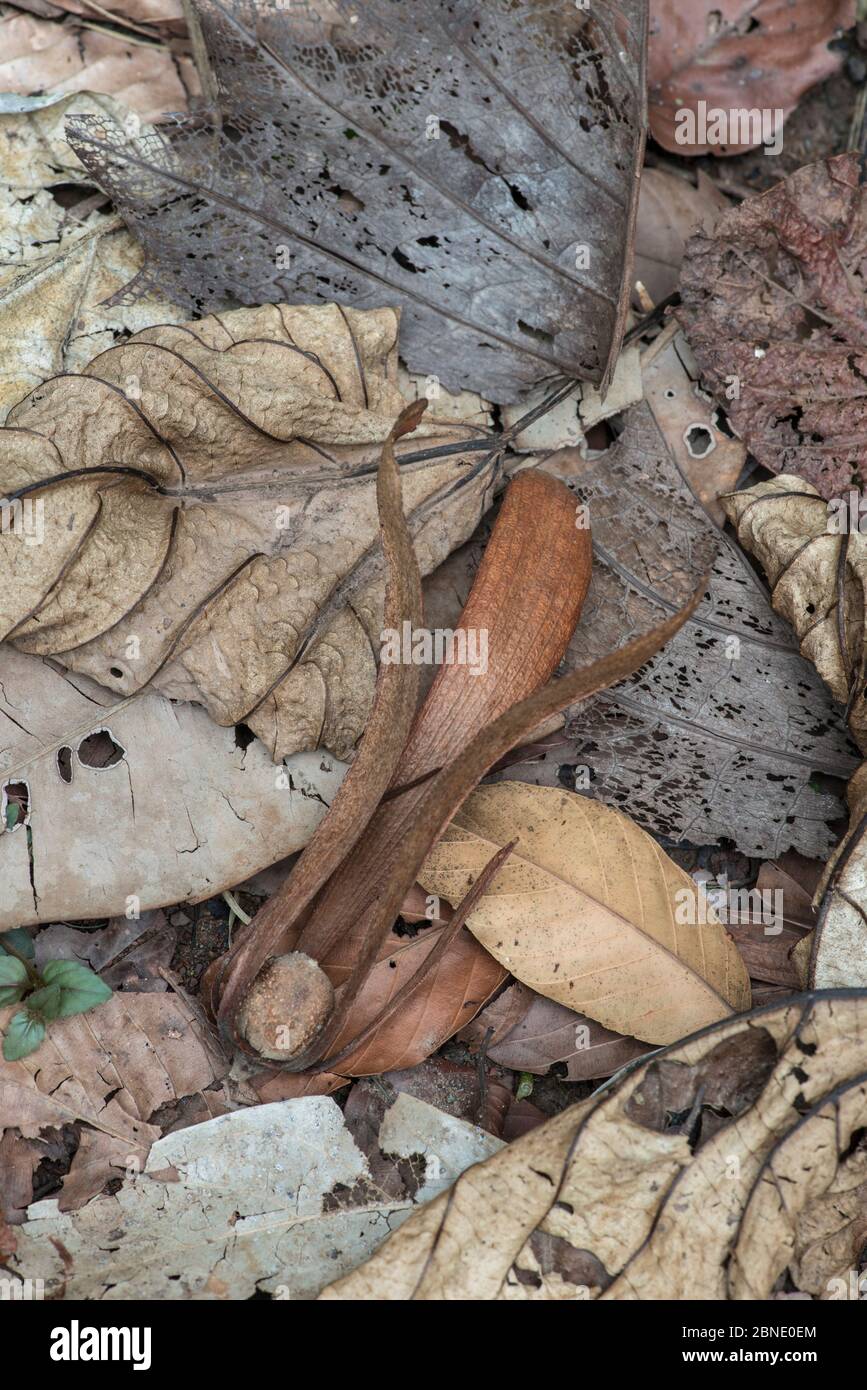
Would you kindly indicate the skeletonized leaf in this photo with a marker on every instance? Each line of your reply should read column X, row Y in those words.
column 589, row 911
column 622, row 1198
column 472, row 165
column 719, row 735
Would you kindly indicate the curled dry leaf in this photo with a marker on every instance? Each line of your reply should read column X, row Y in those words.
column 242, row 1224
column 816, row 565
column 727, row 1146
column 109, row 1071
column 42, row 56
column 473, row 165
column 743, row 56
column 773, row 305
column 590, row 912
column 208, row 493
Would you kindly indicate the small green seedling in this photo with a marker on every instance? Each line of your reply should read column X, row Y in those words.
column 61, row 988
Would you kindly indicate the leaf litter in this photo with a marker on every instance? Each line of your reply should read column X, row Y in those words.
column 575, row 849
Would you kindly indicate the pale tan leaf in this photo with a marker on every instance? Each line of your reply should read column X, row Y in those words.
column 586, row 911
column 220, row 541
column 276, row 1198
column 48, row 58
column 181, row 810
column 624, row 1198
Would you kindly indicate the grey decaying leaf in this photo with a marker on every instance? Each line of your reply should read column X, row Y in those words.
column 471, row 164
column 719, row 735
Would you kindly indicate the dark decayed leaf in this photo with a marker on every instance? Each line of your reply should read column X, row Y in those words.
column 719, row 735
column 472, row 164
column 773, row 305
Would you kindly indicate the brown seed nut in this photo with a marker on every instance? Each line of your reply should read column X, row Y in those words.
column 286, row 1006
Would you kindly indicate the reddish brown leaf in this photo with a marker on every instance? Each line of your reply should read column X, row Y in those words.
column 774, row 309
column 737, row 55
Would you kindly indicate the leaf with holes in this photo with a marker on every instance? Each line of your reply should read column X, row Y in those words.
column 196, row 512
column 773, row 306
column 709, row 1171
column 473, row 164
column 133, row 803
column 718, row 737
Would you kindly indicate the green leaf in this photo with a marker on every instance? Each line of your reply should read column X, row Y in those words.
column 45, row 1002
column 13, row 811
column 21, row 940
column 80, row 988
column 13, row 980
column 12, row 971
column 23, row 1036
column 525, row 1085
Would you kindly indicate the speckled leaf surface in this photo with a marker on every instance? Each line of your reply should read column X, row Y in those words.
column 472, row 164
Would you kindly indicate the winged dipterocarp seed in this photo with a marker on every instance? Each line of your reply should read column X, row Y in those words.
column 288, row 1003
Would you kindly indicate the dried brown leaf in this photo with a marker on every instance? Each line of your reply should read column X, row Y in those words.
column 773, row 305
column 532, row 1033
column 41, row 56
column 111, row 1070
column 587, row 910
column 737, row 55
column 725, row 1145
column 670, row 209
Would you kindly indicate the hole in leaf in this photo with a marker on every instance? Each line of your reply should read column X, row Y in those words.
column 64, row 763
column 100, row 749
column 15, row 805
column 699, row 441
